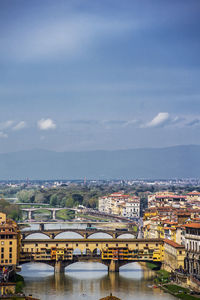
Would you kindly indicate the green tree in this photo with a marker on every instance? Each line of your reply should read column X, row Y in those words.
column 77, row 198
column 53, row 200
column 69, row 202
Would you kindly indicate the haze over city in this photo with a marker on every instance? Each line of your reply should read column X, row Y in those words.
column 87, row 75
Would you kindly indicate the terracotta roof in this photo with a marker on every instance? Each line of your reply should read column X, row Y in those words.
column 193, row 193
column 193, row 225
column 173, row 244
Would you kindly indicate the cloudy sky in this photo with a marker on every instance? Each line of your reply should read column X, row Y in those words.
column 90, row 74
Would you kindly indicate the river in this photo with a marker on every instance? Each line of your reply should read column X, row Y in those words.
column 89, row 281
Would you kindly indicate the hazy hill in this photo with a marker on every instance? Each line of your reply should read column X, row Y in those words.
column 171, row 162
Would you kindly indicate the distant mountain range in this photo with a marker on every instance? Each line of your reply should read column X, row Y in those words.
column 148, row 163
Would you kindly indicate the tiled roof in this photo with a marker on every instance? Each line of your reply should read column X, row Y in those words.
column 193, row 225
column 173, row 244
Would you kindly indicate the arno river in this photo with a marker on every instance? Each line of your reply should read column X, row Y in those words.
column 90, row 280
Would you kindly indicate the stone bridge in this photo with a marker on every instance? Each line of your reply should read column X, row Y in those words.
column 76, row 250
column 53, row 211
column 85, row 233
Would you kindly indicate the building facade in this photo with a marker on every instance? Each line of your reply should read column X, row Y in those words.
column 9, row 242
column 192, row 244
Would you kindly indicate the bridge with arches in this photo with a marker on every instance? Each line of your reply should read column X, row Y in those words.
column 113, row 252
column 30, row 211
column 85, row 233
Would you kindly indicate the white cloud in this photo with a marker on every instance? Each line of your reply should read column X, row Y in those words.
column 6, row 124
column 19, row 126
column 46, row 124
column 160, row 119
column 3, row 135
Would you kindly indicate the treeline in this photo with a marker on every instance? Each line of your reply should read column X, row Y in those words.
column 11, row 210
column 61, row 196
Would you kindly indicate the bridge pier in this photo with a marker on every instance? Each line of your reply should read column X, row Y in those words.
column 59, row 267
column 41, row 226
column 53, row 214
column 113, row 266
column 29, row 215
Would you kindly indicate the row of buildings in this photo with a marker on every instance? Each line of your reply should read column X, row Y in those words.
column 121, row 205
column 165, row 198
column 176, row 220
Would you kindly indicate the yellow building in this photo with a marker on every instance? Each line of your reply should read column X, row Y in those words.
column 174, row 255
column 9, row 242
column 2, row 218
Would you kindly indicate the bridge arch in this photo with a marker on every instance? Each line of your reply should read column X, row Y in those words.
column 96, row 252
column 38, row 236
column 34, row 265
column 125, row 235
column 99, row 235
column 77, row 251
column 87, row 252
column 94, row 266
column 71, row 235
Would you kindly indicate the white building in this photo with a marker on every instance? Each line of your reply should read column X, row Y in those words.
column 132, row 209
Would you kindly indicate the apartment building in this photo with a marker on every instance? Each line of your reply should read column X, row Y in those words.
column 174, row 255
column 165, row 199
column 120, row 204
column 9, row 242
column 192, row 244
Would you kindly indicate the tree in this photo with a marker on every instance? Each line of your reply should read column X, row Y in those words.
column 25, row 196
column 53, row 200
column 77, row 198
column 69, row 202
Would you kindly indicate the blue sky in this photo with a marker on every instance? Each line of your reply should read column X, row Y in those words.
column 86, row 75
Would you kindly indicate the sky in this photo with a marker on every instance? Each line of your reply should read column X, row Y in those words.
column 87, row 74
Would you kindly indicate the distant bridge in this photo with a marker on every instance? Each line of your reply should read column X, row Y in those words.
column 53, row 211
column 85, row 210
column 35, row 250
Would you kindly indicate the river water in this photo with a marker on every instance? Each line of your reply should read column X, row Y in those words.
column 89, row 281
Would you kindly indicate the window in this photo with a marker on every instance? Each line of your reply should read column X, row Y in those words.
column 126, row 245
column 2, row 249
column 56, row 245
column 36, row 245
column 180, row 252
column 2, row 243
column 10, row 243
column 10, row 261
column 10, row 255
column 97, row 245
column 10, row 249
column 2, row 255
column 106, row 245
column 66, row 245
column 46, row 245
column 76, row 245
column 116, row 245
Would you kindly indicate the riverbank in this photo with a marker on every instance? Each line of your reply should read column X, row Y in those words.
column 163, row 280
